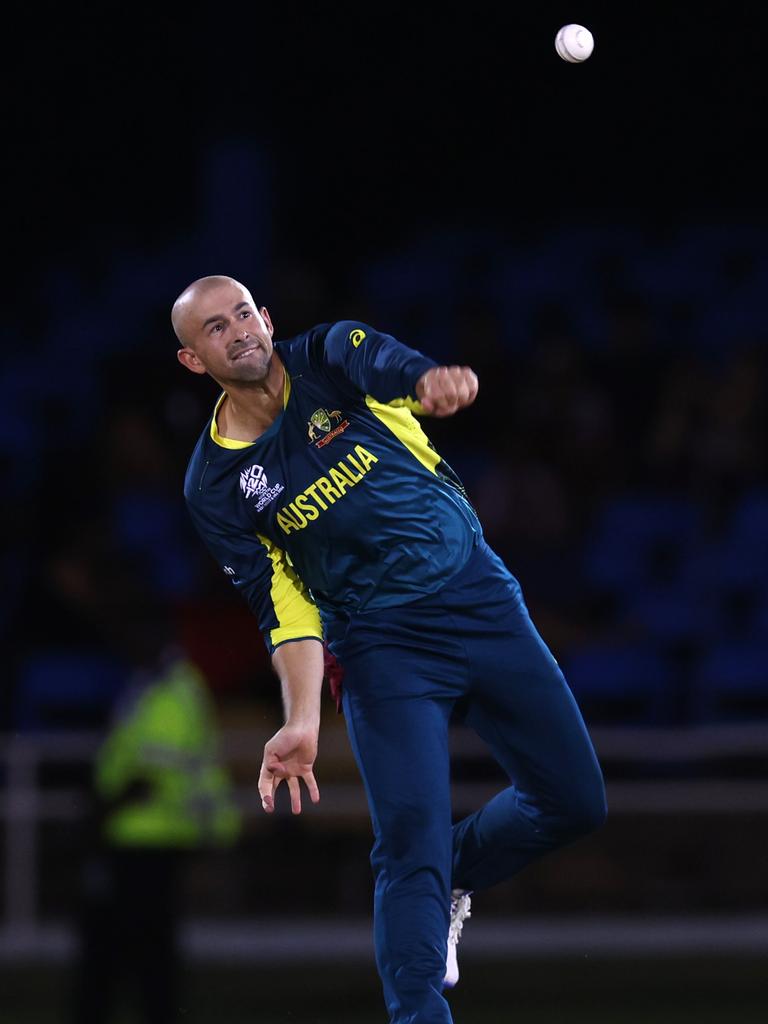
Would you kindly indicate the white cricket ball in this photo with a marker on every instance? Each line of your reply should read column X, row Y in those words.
column 574, row 43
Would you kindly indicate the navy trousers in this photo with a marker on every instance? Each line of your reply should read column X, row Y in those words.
column 405, row 669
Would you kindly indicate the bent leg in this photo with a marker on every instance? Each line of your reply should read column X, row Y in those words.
column 522, row 707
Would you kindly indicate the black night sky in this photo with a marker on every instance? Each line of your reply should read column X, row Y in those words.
column 376, row 119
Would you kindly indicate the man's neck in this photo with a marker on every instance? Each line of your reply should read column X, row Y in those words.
column 250, row 409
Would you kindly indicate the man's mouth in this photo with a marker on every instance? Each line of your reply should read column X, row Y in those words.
column 245, row 352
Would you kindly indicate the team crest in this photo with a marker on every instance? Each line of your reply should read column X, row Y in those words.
column 323, row 426
column 322, row 420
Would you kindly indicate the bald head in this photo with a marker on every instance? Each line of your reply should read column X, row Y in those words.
column 221, row 332
column 186, row 308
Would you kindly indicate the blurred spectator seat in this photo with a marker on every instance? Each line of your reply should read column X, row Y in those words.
column 638, row 538
column 628, row 685
column 149, row 524
column 731, row 683
column 744, row 552
column 65, row 690
column 759, row 622
column 671, row 613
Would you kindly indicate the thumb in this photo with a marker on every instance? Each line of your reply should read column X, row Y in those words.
column 274, row 765
column 427, row 402
column 271, row 759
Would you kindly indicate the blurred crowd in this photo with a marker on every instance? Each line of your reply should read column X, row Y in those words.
column 616, row 456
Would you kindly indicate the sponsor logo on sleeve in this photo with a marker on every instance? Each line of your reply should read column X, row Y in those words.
column 357, row 337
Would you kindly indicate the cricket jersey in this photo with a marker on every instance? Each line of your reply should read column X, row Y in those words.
column 342, row 505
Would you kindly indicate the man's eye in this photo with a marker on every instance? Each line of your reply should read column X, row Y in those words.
column 245, row 314
column 217, row 327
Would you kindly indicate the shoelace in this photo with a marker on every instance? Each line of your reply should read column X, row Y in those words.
column 459, row 913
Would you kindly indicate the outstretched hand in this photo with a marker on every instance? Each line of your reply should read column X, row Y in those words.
column 290, row 756
column 443, row 390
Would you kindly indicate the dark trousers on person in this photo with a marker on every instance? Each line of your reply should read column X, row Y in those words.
column 405, row 671
column 128, row 945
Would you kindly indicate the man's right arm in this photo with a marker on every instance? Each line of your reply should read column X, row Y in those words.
column 291, row 752
column 290, row 624
column 261, row 572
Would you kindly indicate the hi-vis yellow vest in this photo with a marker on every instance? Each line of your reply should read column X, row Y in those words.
column 168, row 736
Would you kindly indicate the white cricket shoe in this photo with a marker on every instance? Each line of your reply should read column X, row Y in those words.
column 460, row 904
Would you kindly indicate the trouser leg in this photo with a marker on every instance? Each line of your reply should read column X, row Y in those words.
column 401, row 746
column 405, row 668
column 522, row 707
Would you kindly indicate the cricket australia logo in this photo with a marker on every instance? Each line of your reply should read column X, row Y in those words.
column 254, row 481
column 323, row 426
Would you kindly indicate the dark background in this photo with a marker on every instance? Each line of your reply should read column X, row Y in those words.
column 592, row 239
column 377, row 120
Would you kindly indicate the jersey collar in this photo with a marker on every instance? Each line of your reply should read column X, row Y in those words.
column 231, row 443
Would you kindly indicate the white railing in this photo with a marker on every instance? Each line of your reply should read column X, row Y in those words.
column 25, row 805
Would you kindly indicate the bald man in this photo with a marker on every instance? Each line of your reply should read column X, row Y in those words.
column 324, row 502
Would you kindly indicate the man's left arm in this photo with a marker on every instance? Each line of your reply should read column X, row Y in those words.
column 380, row 366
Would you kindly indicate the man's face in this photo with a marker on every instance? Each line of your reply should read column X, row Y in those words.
column 227, row 336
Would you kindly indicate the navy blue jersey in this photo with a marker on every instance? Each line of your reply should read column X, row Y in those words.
column 342, row 504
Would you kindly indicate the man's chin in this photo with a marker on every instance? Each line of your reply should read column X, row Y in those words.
column 251, row 371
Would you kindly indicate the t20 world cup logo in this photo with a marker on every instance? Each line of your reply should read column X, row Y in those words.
column 252, row 480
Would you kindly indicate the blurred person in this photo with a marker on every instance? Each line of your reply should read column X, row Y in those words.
column 159, row 793
column 324, row 502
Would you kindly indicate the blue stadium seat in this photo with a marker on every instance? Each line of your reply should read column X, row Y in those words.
column 149, row 524
column 627, row 685
column 65, row 690
column 743, row 554
column 759, row 622
column 731, row 683
column 638, row 538
column 671, row 613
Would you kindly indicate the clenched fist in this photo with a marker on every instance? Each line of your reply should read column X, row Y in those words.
column 444, row 390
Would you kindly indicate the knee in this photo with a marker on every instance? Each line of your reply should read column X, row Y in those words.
column 586, row 811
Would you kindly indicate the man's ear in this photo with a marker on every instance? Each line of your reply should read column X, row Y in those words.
column 264, row 314
column 188, row 357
